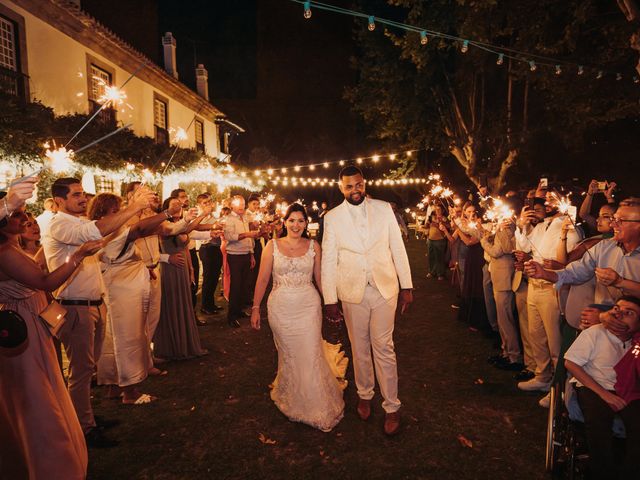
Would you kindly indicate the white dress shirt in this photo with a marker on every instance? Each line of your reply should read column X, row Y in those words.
column 234, row 226
column 66, row 234
column 44, row 219
column 360, row 220
column 542, row 242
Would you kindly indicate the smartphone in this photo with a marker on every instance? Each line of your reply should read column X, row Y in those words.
column 544, row 182
column 602, row 186
column 530, row 203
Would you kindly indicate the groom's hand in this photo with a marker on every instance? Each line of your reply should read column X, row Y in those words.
column 406, row 297
column 332, row 312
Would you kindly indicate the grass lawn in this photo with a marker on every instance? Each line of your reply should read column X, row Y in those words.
column 213, row 412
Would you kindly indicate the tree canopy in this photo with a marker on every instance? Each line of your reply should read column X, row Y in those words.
column 492, row 118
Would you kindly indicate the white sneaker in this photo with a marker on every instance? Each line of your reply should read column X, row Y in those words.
column 534, row 385
column 545, row 401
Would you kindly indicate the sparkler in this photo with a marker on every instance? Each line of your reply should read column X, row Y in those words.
column 60, row 159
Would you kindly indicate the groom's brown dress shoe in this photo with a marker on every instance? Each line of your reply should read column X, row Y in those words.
column 364, row 409
column 392, row 423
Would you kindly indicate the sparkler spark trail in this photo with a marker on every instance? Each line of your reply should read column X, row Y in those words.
column 60, row 159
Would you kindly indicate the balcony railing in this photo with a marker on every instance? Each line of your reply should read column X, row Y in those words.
column 13, row 83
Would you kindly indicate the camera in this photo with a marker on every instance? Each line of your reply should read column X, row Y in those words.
column 602, row 186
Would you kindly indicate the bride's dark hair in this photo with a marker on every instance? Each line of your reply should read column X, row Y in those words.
column 295, row 207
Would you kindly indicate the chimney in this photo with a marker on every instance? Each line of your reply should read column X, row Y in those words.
column 169, row 48
column 202, row 81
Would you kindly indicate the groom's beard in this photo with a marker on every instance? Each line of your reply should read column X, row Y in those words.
column 355, row 201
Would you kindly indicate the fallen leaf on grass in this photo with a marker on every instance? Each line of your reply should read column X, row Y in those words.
column 465, row 442
column 479, row 381
column 265, row 440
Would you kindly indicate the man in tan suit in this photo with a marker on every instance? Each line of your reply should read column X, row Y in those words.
column 363, row 261
column 499, row 248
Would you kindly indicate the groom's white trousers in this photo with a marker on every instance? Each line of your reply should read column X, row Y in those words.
column 370, row 324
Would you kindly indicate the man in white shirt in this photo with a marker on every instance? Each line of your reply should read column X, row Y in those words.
column 81, row 295
column 240, row 258
column 210, row 255
column 543, row 310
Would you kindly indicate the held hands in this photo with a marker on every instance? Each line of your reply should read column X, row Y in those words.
column 191, row 214
column 607, row 276
column 612, row 321
column 534, row 269
column 88, row 248
column 521, row 256
column 615, row 402
column 589, row 317
column 143, row 198
column 176, row 260
column 174, row 210
column 255, row 318
column 21, row 192
column 332, row 313
column 405, row 299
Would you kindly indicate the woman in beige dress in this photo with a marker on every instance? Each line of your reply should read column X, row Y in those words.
column 124, row 362
column 40, row 436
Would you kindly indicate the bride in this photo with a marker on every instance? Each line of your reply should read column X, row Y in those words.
column 308, row 386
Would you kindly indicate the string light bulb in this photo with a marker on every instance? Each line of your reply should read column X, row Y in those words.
column 423, row 38
column 465, row 46
column 375, row 158
column 532, row 66
column 325, row 164
column 297, row 168
column 500, row 60
column 307, row 10
column 409, row 153
column 341, row 163
column 312, row 167
column 372, row 23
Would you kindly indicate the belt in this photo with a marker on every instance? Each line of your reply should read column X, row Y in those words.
column 81, row 303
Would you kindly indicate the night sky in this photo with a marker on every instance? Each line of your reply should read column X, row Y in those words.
column 279, row 76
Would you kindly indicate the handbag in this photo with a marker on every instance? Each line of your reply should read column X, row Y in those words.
column 54, row 317
column 13, row 332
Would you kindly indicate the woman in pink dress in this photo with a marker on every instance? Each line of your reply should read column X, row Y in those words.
column 40, row 436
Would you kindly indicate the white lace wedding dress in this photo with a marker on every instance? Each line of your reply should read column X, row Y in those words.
column 310, row 380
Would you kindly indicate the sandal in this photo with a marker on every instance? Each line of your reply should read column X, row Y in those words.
column 144, row 398
column 156, row 372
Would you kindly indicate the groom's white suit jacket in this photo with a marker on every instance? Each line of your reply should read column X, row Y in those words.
column 345, row 253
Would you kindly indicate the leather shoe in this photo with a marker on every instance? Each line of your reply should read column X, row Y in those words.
column 96, row 438
column 201, row 323
column 524, row 375
column 213, row 311
column 234, row 323
column 364, row 409
column 392, row 423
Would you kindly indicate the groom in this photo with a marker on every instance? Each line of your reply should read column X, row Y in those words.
column 363, row 258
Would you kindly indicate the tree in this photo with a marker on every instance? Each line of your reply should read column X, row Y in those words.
column 485, row 115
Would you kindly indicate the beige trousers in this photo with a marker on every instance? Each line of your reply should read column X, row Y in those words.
column 544, row 327
column 370, row 324
column 82, row 336
column 523, row 321
column 507, row 325
column 153, row 313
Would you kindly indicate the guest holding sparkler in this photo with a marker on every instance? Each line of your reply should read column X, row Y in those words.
column 177, row 336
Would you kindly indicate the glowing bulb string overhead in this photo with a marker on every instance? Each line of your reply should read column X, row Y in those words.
column 373, row 159
column 533, row 60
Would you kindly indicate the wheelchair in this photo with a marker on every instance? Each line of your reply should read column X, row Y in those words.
column 566, row 452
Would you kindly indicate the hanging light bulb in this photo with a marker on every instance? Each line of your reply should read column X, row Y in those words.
column 372, row 23
column 358, row 160
column 392, row 156
column 599, row 75
column 375, row 158
column 580, row 69
column 465, row 46
column 532, row 66
column 500, row 60
column 307, row 10
column 312, row 167
column 409, row 153
column 297, row 168
column 325, row 164
column 558, row 70
column 341, row 163
column 423, row 38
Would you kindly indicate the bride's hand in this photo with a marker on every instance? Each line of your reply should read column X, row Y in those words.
column 255, row 318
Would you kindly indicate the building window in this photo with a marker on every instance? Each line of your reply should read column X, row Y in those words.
column 105, row 185
column 160, row 121
column 199, row 136
column 99, row 80
column 12, row 80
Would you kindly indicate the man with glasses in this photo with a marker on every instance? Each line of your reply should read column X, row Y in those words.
column 614, row 262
